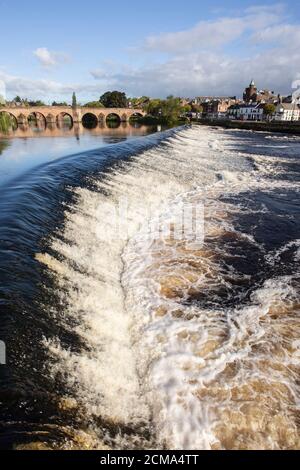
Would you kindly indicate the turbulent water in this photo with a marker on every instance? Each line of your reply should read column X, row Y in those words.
column 121, row 340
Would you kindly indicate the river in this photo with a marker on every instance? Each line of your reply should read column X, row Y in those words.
column 150, row 342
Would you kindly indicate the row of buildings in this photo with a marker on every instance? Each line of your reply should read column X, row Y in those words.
column 258, row 112
column 263, row 105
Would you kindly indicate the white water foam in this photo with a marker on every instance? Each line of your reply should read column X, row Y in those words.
column 148, row 357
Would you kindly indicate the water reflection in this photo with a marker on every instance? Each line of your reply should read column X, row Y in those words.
column 36, row 121
column 3, row 145
column 89, row 121
column 64, row 127
column 64, row 121
column 33, row 144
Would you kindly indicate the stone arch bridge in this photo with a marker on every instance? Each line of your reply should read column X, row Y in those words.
column 54, row 114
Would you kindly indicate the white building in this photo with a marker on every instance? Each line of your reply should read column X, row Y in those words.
column 247, row 112
column 287, row 112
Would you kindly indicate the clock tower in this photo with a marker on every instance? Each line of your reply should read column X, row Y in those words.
column 250, row 93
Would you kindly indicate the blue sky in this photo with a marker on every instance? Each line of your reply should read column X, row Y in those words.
column 154, row 48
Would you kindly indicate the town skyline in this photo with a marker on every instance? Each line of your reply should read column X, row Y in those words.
column 256, row 105
column 152, row 51
column 259, row 94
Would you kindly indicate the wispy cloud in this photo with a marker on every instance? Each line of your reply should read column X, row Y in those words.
column 101, row 74
column 206, row 34
column 287, row 35
column 41, row 88
column 209, row 73
column 48, row 58
column 217, row 33
column 203, row 60
column 218, row 56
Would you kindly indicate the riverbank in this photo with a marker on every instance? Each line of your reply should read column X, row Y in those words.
column 160, row 121
column 286, row 128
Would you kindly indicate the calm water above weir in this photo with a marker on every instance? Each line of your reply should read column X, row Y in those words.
column 25, row 148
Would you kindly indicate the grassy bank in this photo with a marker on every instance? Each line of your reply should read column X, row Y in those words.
column 283, row 127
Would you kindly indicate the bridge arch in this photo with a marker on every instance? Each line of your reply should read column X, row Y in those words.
column 89, row 120
column 113, row 117
column 135, row 115
column 47, row 115
column 113, row 120
column 37, row 119
column 64, row 119
column 8, row 121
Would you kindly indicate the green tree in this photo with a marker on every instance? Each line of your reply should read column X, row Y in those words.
column 7, row 122
column 269, row 109
column 63, row 103
column 35, row 103
column 4, row 122
column 74, row 100
column 154, row 107
column 94, row 104
column 187, row 108
column 171, row 109
column 114, row 99
column 167, row 111
column 21, row 101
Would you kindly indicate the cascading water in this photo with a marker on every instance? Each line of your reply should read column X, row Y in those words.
column 163, row 343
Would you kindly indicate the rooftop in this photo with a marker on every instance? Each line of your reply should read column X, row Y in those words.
column 289, row 106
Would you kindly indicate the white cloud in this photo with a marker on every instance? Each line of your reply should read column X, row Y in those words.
column 49, row 59
column 207, row 73
column 2, row 89
column 46, row 89
column 217, row 33
column 100, row 74
column 201, row 60
column 283, row 34
column 206, row 34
